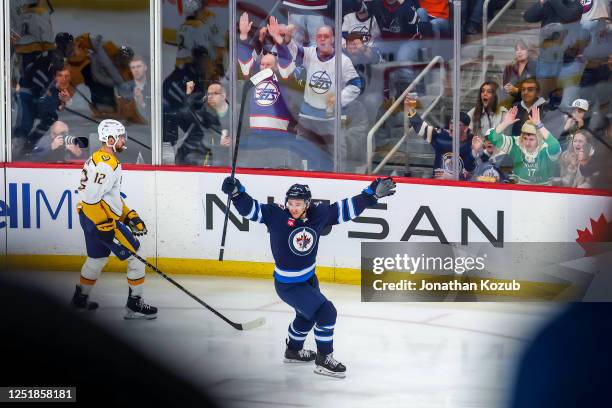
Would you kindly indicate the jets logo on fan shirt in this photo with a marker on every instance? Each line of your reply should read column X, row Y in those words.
column 302, row 241
column 266, row 93
column 320, row 82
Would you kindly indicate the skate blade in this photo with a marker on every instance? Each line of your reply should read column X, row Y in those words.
column 131, row 315
column 292, row 361
column 323, row 371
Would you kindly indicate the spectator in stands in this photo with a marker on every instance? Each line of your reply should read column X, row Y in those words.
column 487, row 163
column 535, row 153
column 363, row 23
column 270, row 141
column 59, row 146
column 487, row 113
column 400, row 28
column 437, row 13
column 578, row 169
column 306, row 16
column 140, row 87
column 555, row 34
column 530, row 98
column 55, row 98
column 34, row 82
column 522, row 68
column 316, row 117
column 362, row 56
column 574, row 121
column 207, row 142
column 175, row 99
column 442, row 142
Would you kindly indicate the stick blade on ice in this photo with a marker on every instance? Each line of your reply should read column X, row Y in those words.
column 254, row 324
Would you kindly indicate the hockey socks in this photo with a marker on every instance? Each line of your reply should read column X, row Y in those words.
column 324, row 328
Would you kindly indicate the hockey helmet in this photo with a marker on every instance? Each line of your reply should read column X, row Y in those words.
column 111, row 128
column 191, row 6
column 297, row 192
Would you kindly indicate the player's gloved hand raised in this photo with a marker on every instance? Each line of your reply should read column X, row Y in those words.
column 232, row 186
column 106, row 229
column 381, row 187
column 135, row 223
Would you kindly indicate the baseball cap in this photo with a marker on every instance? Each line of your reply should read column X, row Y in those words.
column 581, row 104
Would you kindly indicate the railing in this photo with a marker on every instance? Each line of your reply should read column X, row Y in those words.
column 370, row 140
column 485, row 29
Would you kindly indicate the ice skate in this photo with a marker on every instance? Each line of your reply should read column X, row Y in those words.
column 327, row 365
column 299, row 356
column 81, row 301
column 136, row 308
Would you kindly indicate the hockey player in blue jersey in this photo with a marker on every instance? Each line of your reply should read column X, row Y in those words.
column 294, row 237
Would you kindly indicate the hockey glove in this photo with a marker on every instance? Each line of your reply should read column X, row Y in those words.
column 381, row 187
column 135, row 224
column 232, row 186
column 106, row 230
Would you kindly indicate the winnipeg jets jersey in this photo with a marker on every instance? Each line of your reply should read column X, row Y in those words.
column 295, row 242
column 320, row 79
column 100, row 188
column 269, row 109
column 368, row 29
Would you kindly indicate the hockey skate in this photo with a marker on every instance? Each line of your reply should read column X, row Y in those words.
column 81, row 301
column 136, row 308
column 298, row 356
column 326, row 365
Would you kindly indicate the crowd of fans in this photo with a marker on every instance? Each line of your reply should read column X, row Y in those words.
column 545, row 121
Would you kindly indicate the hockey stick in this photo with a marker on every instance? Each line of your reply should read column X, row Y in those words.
column 238, row 326
column 254, row 80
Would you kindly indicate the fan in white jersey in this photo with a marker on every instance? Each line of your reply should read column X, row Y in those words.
column 108, row 224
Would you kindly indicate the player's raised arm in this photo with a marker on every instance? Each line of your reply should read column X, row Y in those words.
column 348, row 209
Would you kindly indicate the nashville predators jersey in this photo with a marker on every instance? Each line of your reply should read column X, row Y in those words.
column 100, row 188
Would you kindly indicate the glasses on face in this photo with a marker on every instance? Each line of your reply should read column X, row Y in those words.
column 214, row 93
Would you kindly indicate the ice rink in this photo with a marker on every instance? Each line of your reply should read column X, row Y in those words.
column 397, row 354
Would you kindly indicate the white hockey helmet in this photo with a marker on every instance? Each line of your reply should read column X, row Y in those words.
column 191, row 6
column 108, row 128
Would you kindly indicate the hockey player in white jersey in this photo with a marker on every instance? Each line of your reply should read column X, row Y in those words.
column 108, row 224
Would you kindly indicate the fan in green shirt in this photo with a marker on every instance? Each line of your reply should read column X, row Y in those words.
column 534, row 153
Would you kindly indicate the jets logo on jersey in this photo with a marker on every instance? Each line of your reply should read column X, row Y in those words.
column 320, row 82
column 302, row 241
column 266, row 93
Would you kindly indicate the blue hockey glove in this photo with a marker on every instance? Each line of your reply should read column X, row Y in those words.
column 381, row 187
column 232, row 186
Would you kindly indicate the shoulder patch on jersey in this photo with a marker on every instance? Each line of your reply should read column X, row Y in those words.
column 103, row 157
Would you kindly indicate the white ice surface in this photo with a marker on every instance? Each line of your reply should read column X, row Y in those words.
column 397, row 354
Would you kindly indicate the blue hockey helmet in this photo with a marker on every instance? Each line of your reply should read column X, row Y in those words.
column 298, row 191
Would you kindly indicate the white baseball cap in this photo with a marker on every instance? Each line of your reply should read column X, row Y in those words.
column 581, row 104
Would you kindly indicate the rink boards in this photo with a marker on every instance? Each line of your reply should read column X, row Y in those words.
column 183, row 209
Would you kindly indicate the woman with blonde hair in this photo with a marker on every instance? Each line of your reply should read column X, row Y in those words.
column 578, row 169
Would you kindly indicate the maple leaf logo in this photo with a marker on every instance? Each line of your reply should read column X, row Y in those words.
column 590, row 241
